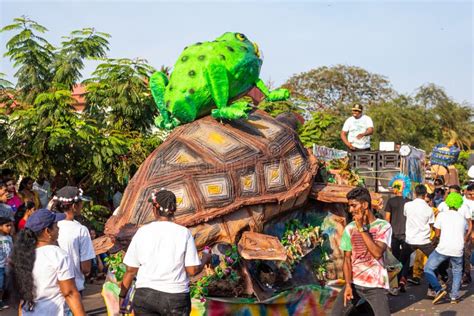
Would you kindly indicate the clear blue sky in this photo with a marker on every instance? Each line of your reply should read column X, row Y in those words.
column 411, row 43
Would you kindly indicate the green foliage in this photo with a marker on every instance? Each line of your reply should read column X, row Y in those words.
column 96, row 216
column 332, row 87
column 275, row 108
column 401, row 121
column 47, row 136
column 226, row 270
column 115, row 265
column 317, row 130
column 33, row 55
column 80, row 44
column 299, row 240
column 119, row 93
column 462, row 166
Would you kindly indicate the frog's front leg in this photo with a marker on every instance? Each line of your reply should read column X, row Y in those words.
column 158, row 83
column 218, row 83
column 275, row 95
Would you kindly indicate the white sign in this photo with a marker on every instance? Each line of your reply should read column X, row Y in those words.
column 326, row 153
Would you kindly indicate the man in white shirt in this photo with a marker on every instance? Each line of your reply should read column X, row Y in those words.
column 357, row 130
column 452, row 188
column 161, row 255
column 467, row 210
column 451, row 228
column 73, row 237
column 419, row 218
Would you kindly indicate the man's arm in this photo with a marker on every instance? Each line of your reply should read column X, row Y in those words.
column 193, row 270
column 345, row 140
column 347, row 269
column 86, row 267
column 369, row 131
column 376, row 248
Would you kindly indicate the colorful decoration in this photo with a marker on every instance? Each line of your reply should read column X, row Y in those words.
column 300, row 240
column 207, row 75
column 401, row 183
column 225, row 271
column 444, row 155
column 300, row 301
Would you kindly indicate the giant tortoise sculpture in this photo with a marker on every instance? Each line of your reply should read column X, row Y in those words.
column 228, row 177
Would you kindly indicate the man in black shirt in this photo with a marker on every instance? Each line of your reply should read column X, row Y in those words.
column 394, row 215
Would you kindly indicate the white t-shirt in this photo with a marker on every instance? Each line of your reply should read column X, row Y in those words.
column 354, row 127
column 453, row 228
column 161, row 250
column 52, row 264
column 419, row 217
column 442, row 207
column 75, row 239
column 467, row 208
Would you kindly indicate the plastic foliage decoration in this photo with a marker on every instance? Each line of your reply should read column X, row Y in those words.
column 116, row 266
column 226, row 270
column 205, row 77
column 401, row 183
column 300, row 240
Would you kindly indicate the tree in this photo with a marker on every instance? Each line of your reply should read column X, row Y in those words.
column 40, row 65
column 46, row 135
column 454, row 119
column 402, row 121
column 81, row 44
column 332, row 87
column 33, row 55
column 119, row 93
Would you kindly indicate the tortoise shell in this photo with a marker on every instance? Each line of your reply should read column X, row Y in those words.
column 226, row 176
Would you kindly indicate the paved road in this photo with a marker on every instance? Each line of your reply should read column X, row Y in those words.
column 413, row 302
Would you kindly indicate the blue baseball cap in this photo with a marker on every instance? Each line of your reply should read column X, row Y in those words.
column 43, row 218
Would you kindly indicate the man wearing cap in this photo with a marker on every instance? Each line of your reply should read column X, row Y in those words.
column 74, row 238
column 357, row 130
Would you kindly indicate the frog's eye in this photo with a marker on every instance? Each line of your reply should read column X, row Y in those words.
column 240, row 37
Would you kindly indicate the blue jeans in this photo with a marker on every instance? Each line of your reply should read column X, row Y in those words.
column 434, row 260
column 2, row 279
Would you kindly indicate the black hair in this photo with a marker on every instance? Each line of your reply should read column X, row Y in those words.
column 5, row 220
column 420, row 190
column 455, row 187
column 21, row 211
column 360, row 194
column 430, row 196
column 23, row 261
column 470, row 187
column 165, row 202
column 439, row 191
column 61, row 207
column 23, row 183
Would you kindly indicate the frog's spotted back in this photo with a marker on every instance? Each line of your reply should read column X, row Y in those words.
column 205, row 77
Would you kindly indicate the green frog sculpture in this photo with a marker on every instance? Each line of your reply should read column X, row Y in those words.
column 208, row 78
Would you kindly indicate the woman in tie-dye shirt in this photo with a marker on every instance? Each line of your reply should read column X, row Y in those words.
column 364, row 242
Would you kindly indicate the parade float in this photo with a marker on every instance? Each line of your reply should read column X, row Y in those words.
column 245, row 187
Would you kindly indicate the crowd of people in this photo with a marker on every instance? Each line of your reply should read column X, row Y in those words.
column 438, row 230
column 46, row 254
